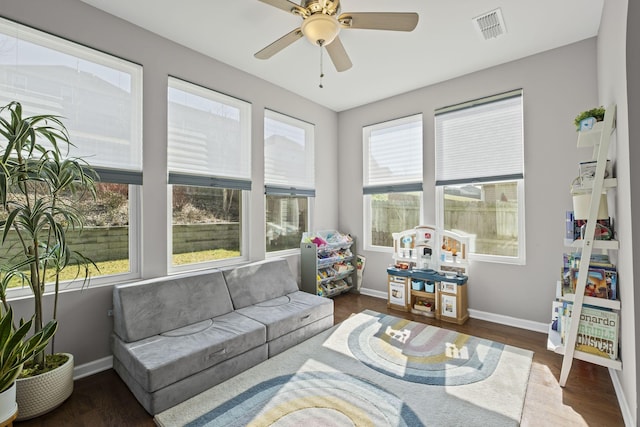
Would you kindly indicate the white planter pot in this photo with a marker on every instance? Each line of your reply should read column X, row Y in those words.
column 582, row 204
column 43, row 393
column 8, row 405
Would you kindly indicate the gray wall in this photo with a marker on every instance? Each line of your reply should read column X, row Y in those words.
column 612, row 88
column 631, row 373
column 557, row 85
column 84, row 314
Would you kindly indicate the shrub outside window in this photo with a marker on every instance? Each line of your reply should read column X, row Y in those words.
column 205, row 224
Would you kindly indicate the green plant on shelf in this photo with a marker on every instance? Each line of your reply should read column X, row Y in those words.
column 597, row 113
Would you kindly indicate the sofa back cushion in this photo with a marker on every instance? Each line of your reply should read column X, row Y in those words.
column 154, row 306
column 260, row 281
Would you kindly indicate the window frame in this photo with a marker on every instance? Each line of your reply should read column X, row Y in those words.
column 390, row 186
column 519, row 180
column 294, row 190
column 130, row 175
column 241, row 181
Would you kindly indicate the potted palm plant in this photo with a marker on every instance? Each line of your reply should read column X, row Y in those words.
column 39, row 189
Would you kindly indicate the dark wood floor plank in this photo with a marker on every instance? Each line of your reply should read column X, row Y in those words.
column 104, row 400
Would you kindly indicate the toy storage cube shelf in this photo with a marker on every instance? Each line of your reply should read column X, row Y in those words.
column 329, row 269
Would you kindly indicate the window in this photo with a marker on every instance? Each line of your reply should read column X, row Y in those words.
column 480, row 175
column 392, row 179
column 99, row 98
column 289, row 180
column 209, row 161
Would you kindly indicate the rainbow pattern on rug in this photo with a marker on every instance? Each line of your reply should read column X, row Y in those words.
column 312, row 399
column 421, row 353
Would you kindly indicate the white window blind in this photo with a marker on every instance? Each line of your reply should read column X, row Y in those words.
column 393, row 156
column 97, row 96
column 209, row 135
column 480, row 141
column 288, row 155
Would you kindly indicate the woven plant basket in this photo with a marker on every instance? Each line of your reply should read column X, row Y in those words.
column 45, row 392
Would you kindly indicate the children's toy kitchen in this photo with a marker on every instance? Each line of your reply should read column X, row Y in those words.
column 429, row 275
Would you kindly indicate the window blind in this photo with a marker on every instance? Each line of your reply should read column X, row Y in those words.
column 393, row 156
column 97, row 96
column 209, row 134
column 116, row 176
column 480, row 141
column 288, row 155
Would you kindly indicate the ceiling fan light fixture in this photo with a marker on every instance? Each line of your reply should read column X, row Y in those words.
column 320, row 29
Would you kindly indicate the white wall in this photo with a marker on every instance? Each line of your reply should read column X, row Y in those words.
column 557, row 85
column 84, row 325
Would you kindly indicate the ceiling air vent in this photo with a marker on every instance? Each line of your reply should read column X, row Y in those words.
column 490, row 24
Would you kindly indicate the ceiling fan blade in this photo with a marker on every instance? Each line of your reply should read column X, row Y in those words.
column 338, row 55
column 392, row 21
column 279, row 44
column 287, row 6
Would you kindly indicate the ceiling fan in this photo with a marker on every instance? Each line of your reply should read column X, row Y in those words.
column 321, row 24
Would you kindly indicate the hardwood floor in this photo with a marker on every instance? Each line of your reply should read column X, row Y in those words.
column 588, row 399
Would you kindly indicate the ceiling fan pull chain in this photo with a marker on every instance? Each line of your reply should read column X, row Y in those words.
column 321, row 72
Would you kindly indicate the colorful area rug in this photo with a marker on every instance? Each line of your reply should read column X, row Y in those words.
column 371, row 370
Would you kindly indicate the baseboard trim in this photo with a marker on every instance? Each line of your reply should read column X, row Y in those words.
column 373, row 293
column 627, row 416
column 91, row 368
column 482, row 315
column 509, row 321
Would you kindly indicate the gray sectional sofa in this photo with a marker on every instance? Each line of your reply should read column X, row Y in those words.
column 175, row 337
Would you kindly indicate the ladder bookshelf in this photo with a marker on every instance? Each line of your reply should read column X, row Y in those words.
column 599, row 139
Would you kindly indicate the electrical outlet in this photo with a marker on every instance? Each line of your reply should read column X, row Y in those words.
column 109, row 313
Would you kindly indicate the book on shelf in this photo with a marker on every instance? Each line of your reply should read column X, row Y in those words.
column 570, row 228
column 603, row 231
column 597, row 331
column 602, row 280
column 574, row 227
column 573, row 259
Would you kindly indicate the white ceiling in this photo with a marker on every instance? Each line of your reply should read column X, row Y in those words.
column 444, row 45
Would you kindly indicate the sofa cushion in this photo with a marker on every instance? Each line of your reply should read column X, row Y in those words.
column 284, row 342
column 158, row 361
column 288, row 313
column 260, row 281
column 171, row 395
column 154, row 306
